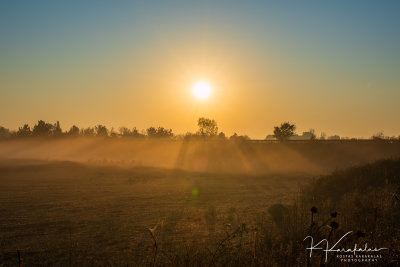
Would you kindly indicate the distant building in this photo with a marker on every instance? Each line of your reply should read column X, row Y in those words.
column 334, row 137
column 270, row 137
column 304, row 136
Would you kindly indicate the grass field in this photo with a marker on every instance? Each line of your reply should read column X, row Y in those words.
column 64, row 213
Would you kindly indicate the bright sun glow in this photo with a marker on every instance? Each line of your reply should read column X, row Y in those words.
column 201, row 90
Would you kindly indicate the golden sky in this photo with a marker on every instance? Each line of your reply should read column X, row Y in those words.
column 333, row 67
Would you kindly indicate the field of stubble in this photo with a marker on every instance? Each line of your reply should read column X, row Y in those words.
column 72, row 214
column 90, row 202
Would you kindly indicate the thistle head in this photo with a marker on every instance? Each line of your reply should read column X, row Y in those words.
column 334, row 225
column 360, row 234
column 314, row 210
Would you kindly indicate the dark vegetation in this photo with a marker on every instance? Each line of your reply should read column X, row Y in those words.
column 207, row 128
column 285, row 131
column 363, row 199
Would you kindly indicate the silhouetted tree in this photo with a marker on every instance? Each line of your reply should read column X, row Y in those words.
column 43, row 129
column 233, row 136
column 159, row 132
column 238, row 138
column 24, row 131
column 126, row 132
column 313, row 135
column 222, row 136
column 135, row 133
column 285, row 131
column 163, row 132
column 57, row 131
column 113, row 133
column 151, row 131
column 73, row 131
column 4, row 132
column 378, row 136
column 101, row 130
column 207, row 127
column 87, row 132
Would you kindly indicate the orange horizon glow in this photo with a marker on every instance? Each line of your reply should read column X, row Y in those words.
column 135, row 65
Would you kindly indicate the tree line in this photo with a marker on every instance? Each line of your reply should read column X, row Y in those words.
column 207, row 128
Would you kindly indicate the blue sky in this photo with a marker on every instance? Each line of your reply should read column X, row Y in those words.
column 333, row 66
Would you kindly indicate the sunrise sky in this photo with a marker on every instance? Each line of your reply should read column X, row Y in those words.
column 332, row 66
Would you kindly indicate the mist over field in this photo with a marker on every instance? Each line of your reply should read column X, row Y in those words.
column 94, row 197
column 215, row 156
column 91, row 201
column 199, row 133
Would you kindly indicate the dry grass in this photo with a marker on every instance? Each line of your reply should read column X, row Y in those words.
column 67, row 213
column 100, row 214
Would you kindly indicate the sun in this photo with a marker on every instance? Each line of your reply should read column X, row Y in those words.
column 201, row 90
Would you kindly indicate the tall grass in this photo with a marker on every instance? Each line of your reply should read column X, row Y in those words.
column 362, row 199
